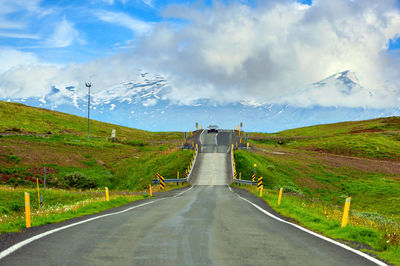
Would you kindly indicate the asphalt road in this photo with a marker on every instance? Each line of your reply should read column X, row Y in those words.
column 208, row 224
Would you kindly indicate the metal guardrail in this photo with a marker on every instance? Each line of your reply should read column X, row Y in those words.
column 235, row 180
column 194, row 163
column 180, row 180
column 157, row 181
column 244, row 182
column 242, row 148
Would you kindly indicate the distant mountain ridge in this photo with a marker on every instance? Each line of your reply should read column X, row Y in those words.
column 346, row 81
column 142, row 103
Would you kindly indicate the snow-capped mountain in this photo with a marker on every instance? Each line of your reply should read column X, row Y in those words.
column 341, row 89
column 142, row 103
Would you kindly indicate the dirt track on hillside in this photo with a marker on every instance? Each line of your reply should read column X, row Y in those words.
column 337, row 161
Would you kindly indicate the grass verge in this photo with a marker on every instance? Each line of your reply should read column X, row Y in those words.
column 59, row 205
column 368, row 235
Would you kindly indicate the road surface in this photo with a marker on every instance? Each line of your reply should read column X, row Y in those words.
column 207, row 224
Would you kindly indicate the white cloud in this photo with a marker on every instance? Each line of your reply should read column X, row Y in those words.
column 148, row 2
column 26, row 7
column 121, row 19
column 11, row 58
column 27, row 81
column 19, row 35
column 64, row 35
column 10, row 6
column 7, row 24
column 237, row 52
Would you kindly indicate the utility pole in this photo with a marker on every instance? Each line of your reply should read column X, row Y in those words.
column 88, row 85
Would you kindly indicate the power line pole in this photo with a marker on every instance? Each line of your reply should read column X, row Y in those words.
column 88, row 85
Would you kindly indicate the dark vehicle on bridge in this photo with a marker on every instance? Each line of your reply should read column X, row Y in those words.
column 212, row 129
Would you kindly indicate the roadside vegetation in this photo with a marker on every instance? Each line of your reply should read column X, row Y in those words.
column 32, row 139
column 318, row 167
column 375, row 139
column 59, row 205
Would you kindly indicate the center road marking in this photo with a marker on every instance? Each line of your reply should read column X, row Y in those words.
column 25, row 242
column 378, row 262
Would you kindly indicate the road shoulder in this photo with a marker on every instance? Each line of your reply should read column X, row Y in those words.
column 7, row 240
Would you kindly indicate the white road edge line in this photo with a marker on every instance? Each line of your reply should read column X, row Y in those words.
column 362, row 254
column 25, row 242
column 177, row 195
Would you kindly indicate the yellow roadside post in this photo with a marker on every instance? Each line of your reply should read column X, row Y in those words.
column 38, row 193
column 201, row 127
column 27, row 210
column 247, row 145
column 240, row 141
column 162, row 182
column 260, row 185
column 236, row 144
column 346, row 212
column 150, row 191
column 232, row 147
column 177, row 175
column 107, row 195
column 280, row 196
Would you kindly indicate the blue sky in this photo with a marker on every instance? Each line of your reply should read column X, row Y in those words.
column 95, row 37
column 33, row 28
column 222, row 49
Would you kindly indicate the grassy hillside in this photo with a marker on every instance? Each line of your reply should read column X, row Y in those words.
column 377, row 138
column 33, row 138
column 366, row 126
column 19, row 118
column 319, row 166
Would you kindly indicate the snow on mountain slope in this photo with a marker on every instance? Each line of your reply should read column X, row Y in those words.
column 341, row 89
column 142, row 103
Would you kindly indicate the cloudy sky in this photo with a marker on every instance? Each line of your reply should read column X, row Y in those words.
column 222, row 50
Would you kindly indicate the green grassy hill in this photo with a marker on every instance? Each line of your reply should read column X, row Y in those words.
column 33, row 138
column 377, row 138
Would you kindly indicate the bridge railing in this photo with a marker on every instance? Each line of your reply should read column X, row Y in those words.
column 188, row 173
column 234, row 173
column 244, row 182
column 170, row 180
